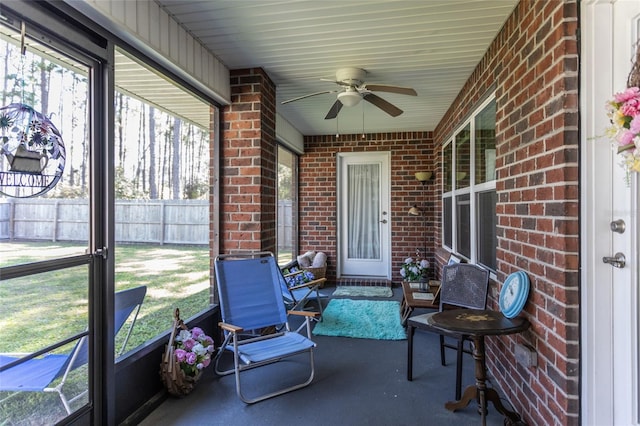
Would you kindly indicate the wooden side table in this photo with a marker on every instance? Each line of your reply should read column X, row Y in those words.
column 477, row 324
column 411, row 298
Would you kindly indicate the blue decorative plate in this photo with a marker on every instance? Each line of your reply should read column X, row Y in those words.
column 513, row 294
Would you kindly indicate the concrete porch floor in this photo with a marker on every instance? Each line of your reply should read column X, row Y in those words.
column 357, row 382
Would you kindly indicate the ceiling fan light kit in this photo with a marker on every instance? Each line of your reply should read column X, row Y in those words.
column 354, row 89
column 349, row 98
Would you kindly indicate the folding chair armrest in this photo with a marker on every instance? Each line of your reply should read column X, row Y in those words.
column 230, row 327
column 310, row 284
column 317, row 281
column 305, row 313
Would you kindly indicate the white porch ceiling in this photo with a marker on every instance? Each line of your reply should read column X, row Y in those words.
column 430, row 45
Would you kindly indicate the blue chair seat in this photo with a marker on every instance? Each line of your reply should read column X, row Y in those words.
column 37, row 374
column 33, row 375
column 276, row 347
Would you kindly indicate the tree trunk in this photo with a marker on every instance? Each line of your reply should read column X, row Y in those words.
column 45, row 74
column 153, row 186
column 175, row 164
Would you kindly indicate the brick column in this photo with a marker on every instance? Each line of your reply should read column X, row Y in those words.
column 248, row 168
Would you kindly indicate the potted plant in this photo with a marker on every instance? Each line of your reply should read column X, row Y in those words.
column 186, row 355
column 415, row 269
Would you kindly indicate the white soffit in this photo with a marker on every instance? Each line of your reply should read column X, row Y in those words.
column 430, row 45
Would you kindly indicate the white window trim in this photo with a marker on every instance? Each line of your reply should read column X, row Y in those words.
column 473, row 189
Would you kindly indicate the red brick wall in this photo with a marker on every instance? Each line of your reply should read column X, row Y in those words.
column 248, row 164
column 533, row 66
column 410, row 152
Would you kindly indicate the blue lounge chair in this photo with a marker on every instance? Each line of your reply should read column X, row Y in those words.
column 250, row 294
column 38, row 373
column 297, row 295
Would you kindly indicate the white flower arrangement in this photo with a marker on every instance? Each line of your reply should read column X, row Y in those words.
column 414, row 269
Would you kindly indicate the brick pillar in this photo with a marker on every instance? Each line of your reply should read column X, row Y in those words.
column 248, row 166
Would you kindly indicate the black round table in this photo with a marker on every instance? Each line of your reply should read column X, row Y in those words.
column 477, row 324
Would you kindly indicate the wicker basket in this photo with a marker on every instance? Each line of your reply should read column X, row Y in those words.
column 318, row 273
column 175, row 381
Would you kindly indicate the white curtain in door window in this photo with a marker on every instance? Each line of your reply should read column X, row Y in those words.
column 364, row 207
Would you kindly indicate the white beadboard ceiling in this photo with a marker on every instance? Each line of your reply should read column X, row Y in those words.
column 429, row 45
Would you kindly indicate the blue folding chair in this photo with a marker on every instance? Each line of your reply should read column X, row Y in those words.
column 297, row 295
column 250, row 295
column 37, row 374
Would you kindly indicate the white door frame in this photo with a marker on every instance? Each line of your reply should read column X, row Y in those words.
column 384, row 159
column 609, row 296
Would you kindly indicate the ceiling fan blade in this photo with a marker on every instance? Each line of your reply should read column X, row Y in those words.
column 387, row 107
column 308, row 96
column 335, row 109
column 390, row 89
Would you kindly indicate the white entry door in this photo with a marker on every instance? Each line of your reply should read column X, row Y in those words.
column 364, row 220
column 610, row 223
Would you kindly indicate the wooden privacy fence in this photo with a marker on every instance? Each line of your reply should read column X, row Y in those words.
column 285, row 225
column 137, row 221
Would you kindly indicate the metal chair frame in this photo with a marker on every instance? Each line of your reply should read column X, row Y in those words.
column 249, row 290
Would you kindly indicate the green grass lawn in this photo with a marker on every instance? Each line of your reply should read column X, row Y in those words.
column 53, row 305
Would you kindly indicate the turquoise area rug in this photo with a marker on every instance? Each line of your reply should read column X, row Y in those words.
column 364, row 291
column 363, row 319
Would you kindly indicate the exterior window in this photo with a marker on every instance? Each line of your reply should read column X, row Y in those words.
column 463, row 225
column 287, row 205
column 469, row 191
column 487, row 241
column 447, row 221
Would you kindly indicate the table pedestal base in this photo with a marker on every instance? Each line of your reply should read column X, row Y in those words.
column 483, row 397
column 480, row 392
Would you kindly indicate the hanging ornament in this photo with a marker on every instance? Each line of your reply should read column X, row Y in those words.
column 33, row 150
column 31, row 145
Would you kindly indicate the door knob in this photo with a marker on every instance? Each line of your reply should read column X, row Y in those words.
column 617, row 226
column 618, row 260
column 383, row 221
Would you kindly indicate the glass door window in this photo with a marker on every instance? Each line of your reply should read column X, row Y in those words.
column 45, row 271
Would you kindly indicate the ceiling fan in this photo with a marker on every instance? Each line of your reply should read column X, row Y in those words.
column 354, row 89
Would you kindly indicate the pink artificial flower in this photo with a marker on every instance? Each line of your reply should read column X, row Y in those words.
column 206, row 341
column 181, row 355
column 631, row 108
column 634, row 126
column 630, row 93
column 206, row 362
column 189, row 344
column 626, row 137
column 196, row 332
column 191, row 358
